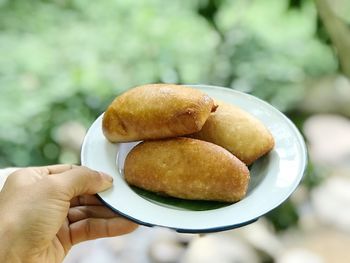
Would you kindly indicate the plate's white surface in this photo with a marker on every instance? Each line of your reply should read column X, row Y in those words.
column 273, row 178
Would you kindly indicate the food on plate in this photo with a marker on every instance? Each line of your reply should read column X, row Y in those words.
column 187, row 168
column 156, row 111
column 237, row 131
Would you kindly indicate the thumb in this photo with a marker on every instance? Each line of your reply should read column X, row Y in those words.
column 81, row 180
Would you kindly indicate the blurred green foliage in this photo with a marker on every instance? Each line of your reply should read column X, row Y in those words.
column 65, row 60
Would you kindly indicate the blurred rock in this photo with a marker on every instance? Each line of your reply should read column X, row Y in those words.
column 147, row 245
column 329, row 244
column 221, row 248
column 184, row 238
column 322, row 244
column 89, row 252
column 331, row 200
column 308, row 219
column 166, row 251
column 261, row 236
column 329, row 139
column 133, row 247
column 165, row 246
column 299, row 255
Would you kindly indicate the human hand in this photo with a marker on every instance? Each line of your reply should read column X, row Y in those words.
column 46, row 210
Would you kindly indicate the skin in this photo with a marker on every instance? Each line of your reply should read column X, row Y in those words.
column 46, row 210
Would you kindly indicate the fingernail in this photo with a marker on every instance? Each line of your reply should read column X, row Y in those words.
column 107, row 177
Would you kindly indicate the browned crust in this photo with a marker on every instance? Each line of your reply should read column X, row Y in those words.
column 237, row 131
column 187, row 168
column 156, row 111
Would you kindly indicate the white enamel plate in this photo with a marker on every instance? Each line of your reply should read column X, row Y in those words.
column 273, row 177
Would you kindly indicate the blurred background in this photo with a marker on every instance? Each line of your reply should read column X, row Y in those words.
column 63, row 61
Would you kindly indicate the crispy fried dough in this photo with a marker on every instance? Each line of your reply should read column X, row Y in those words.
column 237, row 131
column 156, row 111
column 187, row 168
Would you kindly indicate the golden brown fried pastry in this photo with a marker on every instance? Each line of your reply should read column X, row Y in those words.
column 156, row 111
column 187, row 168
column 237, row 131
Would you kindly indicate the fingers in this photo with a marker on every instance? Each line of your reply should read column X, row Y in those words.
column 80, row 181
column 82, row 212
column 68, row 179
column 93, row 228
column 55, row 169
column 30, row 175
column 85, row 200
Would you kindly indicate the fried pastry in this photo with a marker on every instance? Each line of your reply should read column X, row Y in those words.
column 156, row 111
column 237, row 131
column 187, row 168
